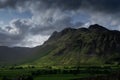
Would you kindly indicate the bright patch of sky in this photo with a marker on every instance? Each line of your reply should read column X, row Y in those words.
column 6, row 15
column 81, row 17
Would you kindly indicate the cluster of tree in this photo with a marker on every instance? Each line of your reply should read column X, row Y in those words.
column 20, row 67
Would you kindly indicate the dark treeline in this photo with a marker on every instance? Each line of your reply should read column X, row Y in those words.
column 76, row 70
column 65, row 71
column 114, row 76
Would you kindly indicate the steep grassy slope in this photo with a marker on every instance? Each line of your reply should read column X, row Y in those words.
column 95, row 45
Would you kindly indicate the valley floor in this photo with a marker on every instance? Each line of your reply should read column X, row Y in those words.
column 65, row 73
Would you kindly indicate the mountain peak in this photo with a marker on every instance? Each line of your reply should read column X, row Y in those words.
column 56, row 34
column 68, row 29
column 96, row 27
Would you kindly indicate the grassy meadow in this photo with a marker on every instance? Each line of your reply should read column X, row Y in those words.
column 55, row 73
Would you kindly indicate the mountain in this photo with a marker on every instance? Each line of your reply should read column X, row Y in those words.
column 93, row 45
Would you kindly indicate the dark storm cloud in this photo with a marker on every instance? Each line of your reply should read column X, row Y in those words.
column 96, row 5
column 48, row 3
column 51, row 15
column 63, row 4
column 109, row 6
column 7, row 3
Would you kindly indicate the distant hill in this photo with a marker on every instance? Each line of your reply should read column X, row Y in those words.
column 13, row 55
column 93, row 45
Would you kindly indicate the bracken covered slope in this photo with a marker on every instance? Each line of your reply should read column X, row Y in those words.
column 93, row 45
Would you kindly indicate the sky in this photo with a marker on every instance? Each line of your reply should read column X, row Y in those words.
column 29, row 23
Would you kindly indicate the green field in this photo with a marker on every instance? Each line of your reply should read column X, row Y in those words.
column 48, row 73
column 15, row 73
column 10, row 75
column 60, row 76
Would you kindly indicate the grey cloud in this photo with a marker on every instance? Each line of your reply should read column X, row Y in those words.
column 102, row 6
column 22, row 25
column 7, row 3
column 51, row 15
column 52, row 24
column 63, row 4
column 14, row 33
column 96, row 5
column 111, row 6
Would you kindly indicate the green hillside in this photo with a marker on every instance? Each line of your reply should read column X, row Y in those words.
column 94, row 45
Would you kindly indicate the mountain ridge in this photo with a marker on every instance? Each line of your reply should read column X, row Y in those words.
column 92, row 45
column 95, row 45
